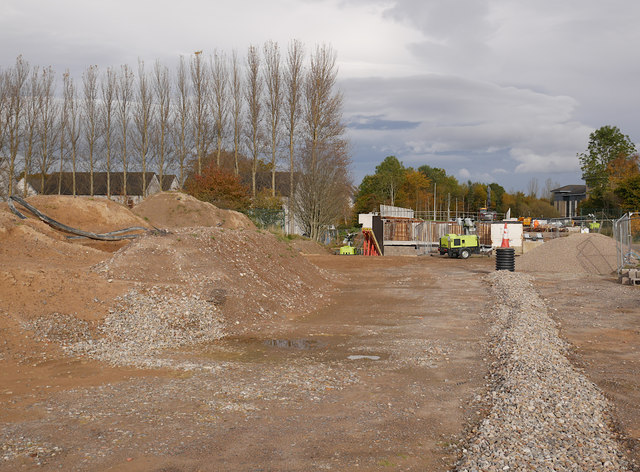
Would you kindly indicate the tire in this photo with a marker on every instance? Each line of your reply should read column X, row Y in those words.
column 465, row 253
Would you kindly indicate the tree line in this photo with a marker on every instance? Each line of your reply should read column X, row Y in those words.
column 274, row 109
column 429, row 190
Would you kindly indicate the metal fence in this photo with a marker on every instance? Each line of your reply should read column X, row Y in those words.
column 427, row 234
column 626, row 232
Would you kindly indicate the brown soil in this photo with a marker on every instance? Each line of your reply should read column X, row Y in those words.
column 328, row 362
column 171, row 210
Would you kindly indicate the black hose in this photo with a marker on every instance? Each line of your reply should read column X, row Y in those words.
column 110, row 236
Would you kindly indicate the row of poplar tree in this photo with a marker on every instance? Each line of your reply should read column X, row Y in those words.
column 271, row 107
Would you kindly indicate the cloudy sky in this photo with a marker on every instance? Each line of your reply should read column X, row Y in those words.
column 490, row 90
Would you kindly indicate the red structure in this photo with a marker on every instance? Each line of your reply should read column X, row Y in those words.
column 370, row 245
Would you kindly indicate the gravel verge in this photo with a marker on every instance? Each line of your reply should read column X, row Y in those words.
column 138, row 329
column 543, row 415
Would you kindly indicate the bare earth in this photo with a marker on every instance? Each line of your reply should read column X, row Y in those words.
column 248, row 355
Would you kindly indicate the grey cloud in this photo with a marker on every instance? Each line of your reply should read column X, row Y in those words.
column 467, row 124
column 376, row 122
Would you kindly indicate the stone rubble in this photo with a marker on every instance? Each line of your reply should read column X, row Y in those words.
column 543, row 414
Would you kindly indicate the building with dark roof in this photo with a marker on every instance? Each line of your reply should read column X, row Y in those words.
column 567, row 198
column 104, row 184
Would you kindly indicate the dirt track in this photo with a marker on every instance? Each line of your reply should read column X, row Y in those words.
column 292, row 399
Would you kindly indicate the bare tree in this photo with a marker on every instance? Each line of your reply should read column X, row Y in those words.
column 236, row 107
column 326, row 154
column 182, row 118
column 532, row 188
column 549, row 185
column 201, row 86
column 48, row 115
column 108, row 89
column 31, row 124
column 17, row 79
column 162, row 92
column 90, row 117
column 253, row 96
column 293, row 82
column 123, row 111
column 4, row 120
column 142, row 117
column 219, row 100
column 62, row 131
column 73, row 125
column 273, row 102
column 323, row 192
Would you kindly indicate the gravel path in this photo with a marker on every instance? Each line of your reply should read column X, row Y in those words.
column 544, row 415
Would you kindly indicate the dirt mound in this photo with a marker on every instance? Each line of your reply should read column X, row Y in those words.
column 582, row 253
column 170, row 210
column 97, row 215
column 249, row 274
column 44, row 272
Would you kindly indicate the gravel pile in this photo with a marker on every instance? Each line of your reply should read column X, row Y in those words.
column 144, row 324
column 543, row 414
column 581, row 253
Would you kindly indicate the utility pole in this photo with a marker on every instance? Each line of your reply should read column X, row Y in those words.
column 434, row 201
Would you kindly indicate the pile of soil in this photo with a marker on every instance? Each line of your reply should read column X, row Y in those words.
column 248, row 276
column 170, row 210
column 580, row 253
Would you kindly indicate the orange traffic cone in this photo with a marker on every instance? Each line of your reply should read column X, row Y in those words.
column 505, row 237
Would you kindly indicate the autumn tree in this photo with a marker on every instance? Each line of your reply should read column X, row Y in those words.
column 218, row 186
column 628, row 192
column 415, row 189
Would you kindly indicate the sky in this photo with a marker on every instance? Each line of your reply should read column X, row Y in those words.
column 489, row 90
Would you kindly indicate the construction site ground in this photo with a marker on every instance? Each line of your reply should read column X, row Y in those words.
column 309, row 361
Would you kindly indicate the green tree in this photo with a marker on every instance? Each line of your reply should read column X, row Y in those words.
column 497, row 191
column 391, row 175
column 628, row 191
column 369, row 195
column 605, row 145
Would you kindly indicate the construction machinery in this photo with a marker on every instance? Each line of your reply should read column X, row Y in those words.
column 462, row 246
column 486, row 214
